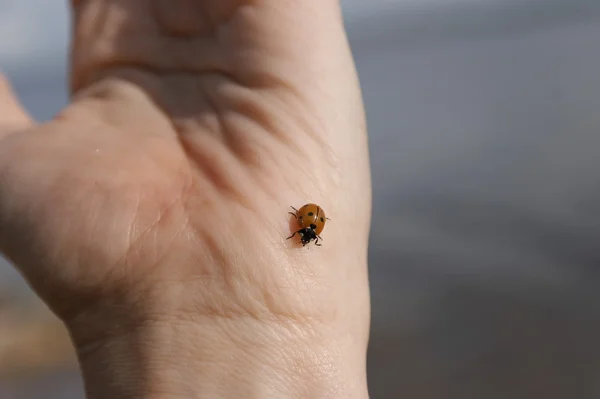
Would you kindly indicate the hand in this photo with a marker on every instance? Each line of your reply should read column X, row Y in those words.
column 151, row 213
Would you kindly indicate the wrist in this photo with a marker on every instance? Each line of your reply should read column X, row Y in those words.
column 223, row 358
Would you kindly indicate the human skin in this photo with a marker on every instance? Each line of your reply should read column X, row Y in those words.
column 151, row 213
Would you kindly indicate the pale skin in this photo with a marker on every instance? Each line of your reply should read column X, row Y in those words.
column 151, row 213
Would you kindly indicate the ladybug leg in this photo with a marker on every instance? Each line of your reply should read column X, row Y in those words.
column 291, row 235
column 320, row 238
column 293, row 214
column 294, row 208
column 317, row 242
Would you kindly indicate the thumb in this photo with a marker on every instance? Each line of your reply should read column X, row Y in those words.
column 13, row 116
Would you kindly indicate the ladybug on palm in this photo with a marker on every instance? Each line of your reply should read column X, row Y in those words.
column 311, row 219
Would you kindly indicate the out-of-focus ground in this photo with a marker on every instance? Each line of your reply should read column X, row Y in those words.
column 485, row 139
column 31, row 339
column 35, row 352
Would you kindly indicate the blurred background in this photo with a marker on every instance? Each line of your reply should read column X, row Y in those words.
column 484, row 120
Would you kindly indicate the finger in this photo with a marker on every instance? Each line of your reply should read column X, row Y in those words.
column 196, row 58
column 13, row 116
column 203, row 35
column 190, row 49
column 234, row 68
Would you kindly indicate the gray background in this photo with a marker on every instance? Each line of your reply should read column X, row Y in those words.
column 485, row 139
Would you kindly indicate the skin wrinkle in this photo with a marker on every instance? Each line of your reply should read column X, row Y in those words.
column 263, row 122
column 62, row 195
column 89, row 18
column 273, row 361
column 96, row 98
column 167, row 244
column 270, row 129
column 224, row 278
column 132, row 233
column 267, row 78
column 296, row 113
column 106, row 61
column 230, row 277
column 253, row 113
column 228, row 184
column 116, row 271
column 266, row 82
column 203, row 274
column 223, row 125
column 255, row 302
column 233, row 274
column 257, row 155
column 162, row 214
column 112, row 272
column 187, row 120
column 136, row 52
column 183, row 140
column 115, row 63
column 87, row 25
column 203, row 22
column 318, row 365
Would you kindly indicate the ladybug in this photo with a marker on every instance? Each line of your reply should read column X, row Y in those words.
column 311, row 219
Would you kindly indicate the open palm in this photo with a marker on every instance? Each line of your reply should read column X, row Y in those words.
column 164, row 187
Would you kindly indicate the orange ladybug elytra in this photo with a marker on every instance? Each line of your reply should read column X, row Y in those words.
column 311, row 219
